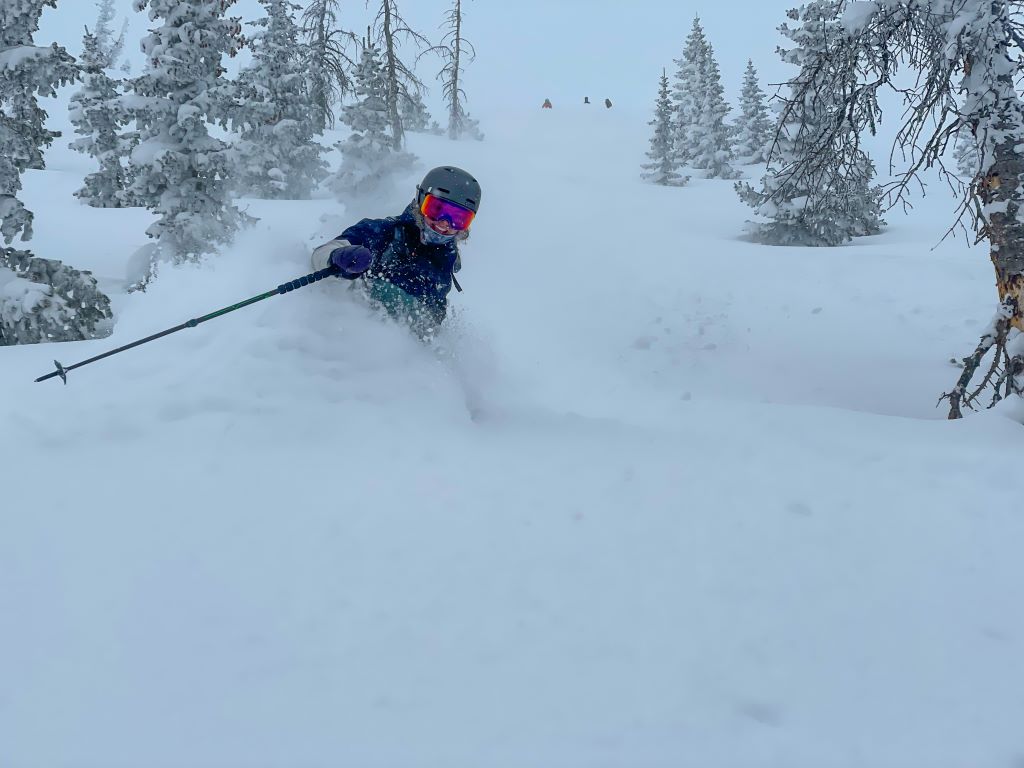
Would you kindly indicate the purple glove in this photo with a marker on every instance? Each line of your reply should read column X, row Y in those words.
column 351, row 260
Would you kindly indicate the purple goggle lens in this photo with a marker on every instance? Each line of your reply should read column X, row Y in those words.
column 436, row 209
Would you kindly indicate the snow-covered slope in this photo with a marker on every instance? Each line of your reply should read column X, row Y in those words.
column 706, row 516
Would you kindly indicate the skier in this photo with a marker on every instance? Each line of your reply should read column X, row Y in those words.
column 546, row 104
column 407, row 263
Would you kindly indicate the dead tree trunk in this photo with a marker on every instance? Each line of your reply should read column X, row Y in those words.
column 391, row 60
column 455, row 108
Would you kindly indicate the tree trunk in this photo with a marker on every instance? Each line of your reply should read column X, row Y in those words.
column 397, row 133
column 1001, row 194
column 320, row 89
column 1002, row 198
column 455, row 114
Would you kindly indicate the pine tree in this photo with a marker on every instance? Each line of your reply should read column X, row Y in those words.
column 40, row 299
column 471, row 127
column 182, row 172
column 276, row 154
column 98, row 116
column 369, row 158
column 454, row 48
column 754, row 127
column 688, row 92
column 968, row 156
column 104, row 33
column 831, row 199
column 107, row 46
column 398, row 77
column 709, row 138
column 327, row 60
column 414, row 113
column 662, row 168
column 45, row 300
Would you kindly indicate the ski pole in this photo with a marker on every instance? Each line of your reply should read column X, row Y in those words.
column 313, row 277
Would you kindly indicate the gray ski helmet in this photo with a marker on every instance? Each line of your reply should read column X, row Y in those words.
column 452, row 184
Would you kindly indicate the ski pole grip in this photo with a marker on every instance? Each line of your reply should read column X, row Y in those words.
column 313, row 277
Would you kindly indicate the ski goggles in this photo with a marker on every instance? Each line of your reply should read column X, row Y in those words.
column 436, row 209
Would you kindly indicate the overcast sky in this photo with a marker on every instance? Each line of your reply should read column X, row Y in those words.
column 529, row 50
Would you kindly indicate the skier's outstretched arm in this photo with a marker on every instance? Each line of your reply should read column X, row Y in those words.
column 350, row 260
column 354, row 250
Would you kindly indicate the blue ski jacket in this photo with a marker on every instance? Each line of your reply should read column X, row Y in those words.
column 423, row 271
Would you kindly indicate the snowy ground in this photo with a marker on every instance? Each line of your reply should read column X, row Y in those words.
column 708, row 515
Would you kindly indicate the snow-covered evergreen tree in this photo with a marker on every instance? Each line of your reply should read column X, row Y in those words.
column 276, row 154
column 471, row 127
column 40, row 299
column 688, row 91
column 709, row 139
column 662, row 168
column 107, row 46
column 98, row 116
column 831, row 198
column 46, row 300
column 327, row 60
column 414, row 113
column 701, row 137
column 103, row 31
column 967, row 154
column 754, row 126
column 369, row 158
column 181, row 171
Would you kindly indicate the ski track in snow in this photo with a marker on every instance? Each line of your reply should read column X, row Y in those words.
column 658, row 496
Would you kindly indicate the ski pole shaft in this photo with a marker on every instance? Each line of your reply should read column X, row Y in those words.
column 313, row 277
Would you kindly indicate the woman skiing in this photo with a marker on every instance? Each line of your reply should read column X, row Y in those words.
column 408, row 262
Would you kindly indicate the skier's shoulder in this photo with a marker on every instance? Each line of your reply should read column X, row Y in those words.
column 372, row 227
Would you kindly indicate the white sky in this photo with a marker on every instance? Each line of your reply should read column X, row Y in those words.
column 529, row 50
